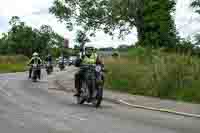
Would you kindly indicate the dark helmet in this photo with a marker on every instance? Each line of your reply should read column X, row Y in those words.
column 49, row 55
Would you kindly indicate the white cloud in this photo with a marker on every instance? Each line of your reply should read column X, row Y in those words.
column 35, row 13
column 106, row 41
column 187, row 21
column 16, row 7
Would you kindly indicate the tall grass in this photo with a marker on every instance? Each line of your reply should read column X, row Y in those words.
column 155, row 73
column 12, row 59
column 13, row 63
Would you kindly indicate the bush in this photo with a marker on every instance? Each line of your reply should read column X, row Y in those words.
column 115, row 54
column 155, row 73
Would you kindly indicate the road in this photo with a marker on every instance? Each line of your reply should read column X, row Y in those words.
column 27, row 107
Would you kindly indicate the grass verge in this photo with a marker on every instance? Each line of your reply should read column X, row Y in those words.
column 15, row 63
column 155, row 73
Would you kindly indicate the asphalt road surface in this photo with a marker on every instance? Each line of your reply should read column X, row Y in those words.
column 27, row 107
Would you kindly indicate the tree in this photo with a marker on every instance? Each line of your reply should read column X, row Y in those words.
column 185, row 46
column 19, row 37
column 55, row 52
column 81, row 39
column 152, row 18
column 23, row 39
column 15, row 20
column 196, row 4
column 3, row 44
column 197, row 39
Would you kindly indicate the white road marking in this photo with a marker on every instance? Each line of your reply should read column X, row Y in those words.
column 79, row 118
column 3, row 90
column 161, row 110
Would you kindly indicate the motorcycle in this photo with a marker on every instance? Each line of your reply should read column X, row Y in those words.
column 92, row 85
column 61, row 66
column 70, row 63
column 35, row 72
column 49, row 68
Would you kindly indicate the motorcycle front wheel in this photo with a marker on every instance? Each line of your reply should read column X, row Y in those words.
column 99, row 96
column 34, row 78
column 48, row 71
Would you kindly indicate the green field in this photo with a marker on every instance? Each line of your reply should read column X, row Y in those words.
column 15, row 63
column 155, row 73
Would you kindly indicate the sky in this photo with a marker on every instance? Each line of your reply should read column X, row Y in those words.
column 35, row 13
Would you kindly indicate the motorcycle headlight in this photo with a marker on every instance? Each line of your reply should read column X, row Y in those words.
column 98, row 68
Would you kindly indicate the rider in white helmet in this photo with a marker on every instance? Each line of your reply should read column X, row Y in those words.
column 34, row 60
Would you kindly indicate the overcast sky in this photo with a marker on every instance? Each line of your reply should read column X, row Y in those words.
column 35, row 13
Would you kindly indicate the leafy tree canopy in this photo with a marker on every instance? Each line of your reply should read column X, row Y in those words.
column 23, row 39
column 152, row 18
column 196, row 4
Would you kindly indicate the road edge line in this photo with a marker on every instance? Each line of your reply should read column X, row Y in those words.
column 159, row 109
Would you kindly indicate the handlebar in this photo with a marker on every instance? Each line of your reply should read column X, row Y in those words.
column 87, row 66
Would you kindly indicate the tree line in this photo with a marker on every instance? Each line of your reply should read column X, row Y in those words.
column 23, row 39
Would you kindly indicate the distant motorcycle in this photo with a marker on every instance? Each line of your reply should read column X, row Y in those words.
column 70, row 62
column 92, row 85
column 35, row 72
column 49, row 68
column 61, row 66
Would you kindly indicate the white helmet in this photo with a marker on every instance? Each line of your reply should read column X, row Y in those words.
column 35, row 54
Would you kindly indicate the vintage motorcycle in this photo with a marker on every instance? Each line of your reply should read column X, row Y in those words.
column 92, row 85
column 35, row 72
column 49, row 68
column 61, row 65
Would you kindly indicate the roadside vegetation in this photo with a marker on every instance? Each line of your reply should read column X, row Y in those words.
column 13, row 63
column 155, row 73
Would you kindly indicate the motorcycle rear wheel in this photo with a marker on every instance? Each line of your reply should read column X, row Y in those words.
column 34, row 78
column 81, row 99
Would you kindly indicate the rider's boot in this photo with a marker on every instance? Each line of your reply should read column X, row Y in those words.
column 30, row 72
column 39, row 74
column 78, row 92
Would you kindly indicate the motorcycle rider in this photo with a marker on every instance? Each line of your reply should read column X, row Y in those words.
column 61, row 62
column 34, row 60
column 49, row 58
column 90, row 57
column 61, row 59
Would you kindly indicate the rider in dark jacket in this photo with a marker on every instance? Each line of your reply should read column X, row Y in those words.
column 48, row 58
